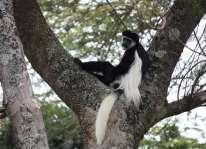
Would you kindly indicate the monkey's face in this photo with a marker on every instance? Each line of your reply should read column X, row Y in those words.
column 129, row 40
column 127, row 43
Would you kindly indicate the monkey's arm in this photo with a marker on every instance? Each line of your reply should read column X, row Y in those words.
column 98, row 67
column 105, row 68
column 145, row 59
column 126, row 62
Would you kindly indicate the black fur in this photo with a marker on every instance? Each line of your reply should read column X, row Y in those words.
column 107, row 73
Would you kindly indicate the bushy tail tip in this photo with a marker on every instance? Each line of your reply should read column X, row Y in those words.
column 103, row 116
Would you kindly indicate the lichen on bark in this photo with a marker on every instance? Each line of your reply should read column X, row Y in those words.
column 24, row 113
column 58, row 69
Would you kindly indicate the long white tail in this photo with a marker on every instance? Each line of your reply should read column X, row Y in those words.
column 103, row 116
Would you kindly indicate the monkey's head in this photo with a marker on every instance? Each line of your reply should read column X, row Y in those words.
column 129, row 39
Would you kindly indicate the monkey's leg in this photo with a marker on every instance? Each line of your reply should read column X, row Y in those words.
column 98, row 67
column 105, row 68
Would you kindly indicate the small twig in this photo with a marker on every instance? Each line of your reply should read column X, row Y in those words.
column 199, row 75
column 192, row 67
column 2, row 112
column 181, row 42
column 114, row 10
column 198, row 42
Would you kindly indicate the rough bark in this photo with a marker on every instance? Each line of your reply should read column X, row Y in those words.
column 23, row 109
column 83, row 93
column 186, row 104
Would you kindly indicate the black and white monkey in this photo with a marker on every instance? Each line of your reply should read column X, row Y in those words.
column 125, row 77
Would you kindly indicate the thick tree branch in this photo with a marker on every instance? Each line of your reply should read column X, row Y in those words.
column 168, row 45
column 22, row 107
column 165, row 52
column 185, row 104
column 166, row 49
column 51, row 60
column 81, row 91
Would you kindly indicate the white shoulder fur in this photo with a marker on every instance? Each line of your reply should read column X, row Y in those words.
column 131, row 81
column 130, row 84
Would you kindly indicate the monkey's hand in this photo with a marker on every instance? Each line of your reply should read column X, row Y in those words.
column 116, row 86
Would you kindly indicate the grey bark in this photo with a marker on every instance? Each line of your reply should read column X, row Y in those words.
column 23, row 108
column 83, row 93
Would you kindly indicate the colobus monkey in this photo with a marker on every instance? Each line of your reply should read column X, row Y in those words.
column 125, row 77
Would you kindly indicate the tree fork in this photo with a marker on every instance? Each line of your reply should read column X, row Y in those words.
column 126, row 126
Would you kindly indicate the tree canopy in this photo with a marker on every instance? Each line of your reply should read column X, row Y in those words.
column 91, row 28
column 172, row 31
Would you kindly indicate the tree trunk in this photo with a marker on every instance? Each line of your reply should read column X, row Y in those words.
column 83, row 93
column 23, row 108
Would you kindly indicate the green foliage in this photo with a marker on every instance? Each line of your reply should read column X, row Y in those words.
column 91, row 28
column 169, row 137
column 62, row 128
column 61, row 125
column 5, row 134
column 64, row 132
